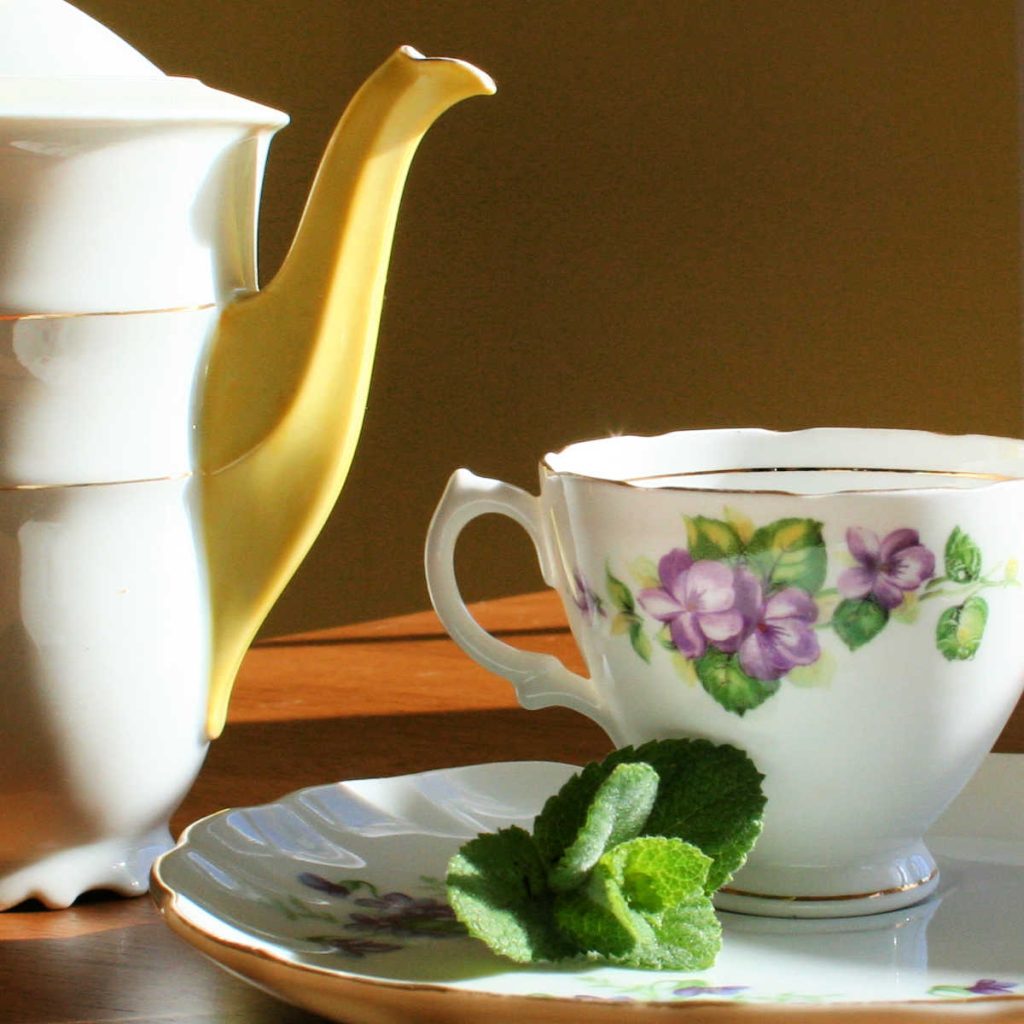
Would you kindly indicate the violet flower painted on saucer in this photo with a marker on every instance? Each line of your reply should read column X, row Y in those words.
column 743, row 608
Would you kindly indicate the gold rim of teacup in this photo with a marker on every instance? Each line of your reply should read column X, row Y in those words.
column 643, row 482
column 926, row 483
column 877, row 894
column 964, row 474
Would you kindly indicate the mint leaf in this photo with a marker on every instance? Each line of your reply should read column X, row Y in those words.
column 497, row 886
column 708, row 795
column 617, row 812
column 623, row 860
column 645, row 905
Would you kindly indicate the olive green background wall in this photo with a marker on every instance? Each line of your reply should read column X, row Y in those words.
column 673, row 214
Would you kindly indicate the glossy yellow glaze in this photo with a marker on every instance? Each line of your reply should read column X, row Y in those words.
column 286, row 384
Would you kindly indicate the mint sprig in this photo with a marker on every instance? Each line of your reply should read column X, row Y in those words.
column 617, row 812
column 622, row 862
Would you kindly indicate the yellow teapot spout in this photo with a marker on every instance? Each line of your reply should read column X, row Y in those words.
column 282, row 400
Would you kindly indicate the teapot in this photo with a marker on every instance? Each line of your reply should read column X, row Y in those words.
column 172, row 438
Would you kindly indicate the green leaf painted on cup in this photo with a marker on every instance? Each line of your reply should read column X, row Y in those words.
column 908, row 610
column 712, row 539
column 645, row 572
column 684, row 668
column 790, row 553
column 858, row 620
column 963, row 558
column 740, row 522
column 664, row 638
column 960, row 629
column 639, row 639
column 819, row 673
column 720, row 674
column 621, row 596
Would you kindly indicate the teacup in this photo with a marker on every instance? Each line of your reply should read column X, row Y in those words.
column 842, row 604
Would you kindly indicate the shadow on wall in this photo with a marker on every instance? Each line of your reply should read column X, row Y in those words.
column 673, row 214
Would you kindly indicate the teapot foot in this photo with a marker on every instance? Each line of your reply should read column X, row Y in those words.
column 58, row 879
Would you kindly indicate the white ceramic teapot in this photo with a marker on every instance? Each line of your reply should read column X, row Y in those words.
column 171, row 440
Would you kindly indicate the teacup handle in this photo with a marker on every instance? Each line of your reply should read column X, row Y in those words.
column 540, row 680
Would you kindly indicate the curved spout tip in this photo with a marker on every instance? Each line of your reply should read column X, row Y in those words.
column 484, row 84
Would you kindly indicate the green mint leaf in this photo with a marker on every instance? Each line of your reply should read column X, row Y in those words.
column 963, row 558
column 858, row 620
column 645, row 905
column 720, row 674
column 711, row 538
column 622, row 863
column 617, row 813
column 960, row 629
column 790, row 553
column 497, row 886
column 708, row 795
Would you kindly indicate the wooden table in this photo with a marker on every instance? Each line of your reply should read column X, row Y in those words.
column 379, row 698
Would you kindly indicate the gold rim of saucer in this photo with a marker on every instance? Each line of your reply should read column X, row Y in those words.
column 877, row 894
column 18, row 317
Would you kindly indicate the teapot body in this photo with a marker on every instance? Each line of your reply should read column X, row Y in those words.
column 105, row 647
column 104, row 604
column 126, row 217
column 128, row 212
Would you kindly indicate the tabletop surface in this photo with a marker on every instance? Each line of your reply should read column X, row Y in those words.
column 374, row 699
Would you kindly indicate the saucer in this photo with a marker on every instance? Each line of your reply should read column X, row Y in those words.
column 332, row 899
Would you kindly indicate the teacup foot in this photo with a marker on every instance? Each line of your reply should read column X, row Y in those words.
column 57, row 880
column 908, row 880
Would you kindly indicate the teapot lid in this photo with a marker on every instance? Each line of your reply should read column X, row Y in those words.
column 57, row 63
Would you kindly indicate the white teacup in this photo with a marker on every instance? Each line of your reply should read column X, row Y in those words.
column 842, row 604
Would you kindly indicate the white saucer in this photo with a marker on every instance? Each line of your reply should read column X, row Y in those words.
column 331, row 899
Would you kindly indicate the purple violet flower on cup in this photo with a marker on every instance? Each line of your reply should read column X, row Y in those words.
column 991, row 987
column 888, row 568
column 696, row 601
column 585, row 598
column 779, row 633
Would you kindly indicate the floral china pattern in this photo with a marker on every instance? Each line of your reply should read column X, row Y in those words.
column 370, row 920
column 982, row 987
column 675, row 989
column 741, row 609
column 373, row 919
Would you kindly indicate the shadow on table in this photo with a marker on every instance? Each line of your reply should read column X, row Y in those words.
column 255, row 762
column 106, row 975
